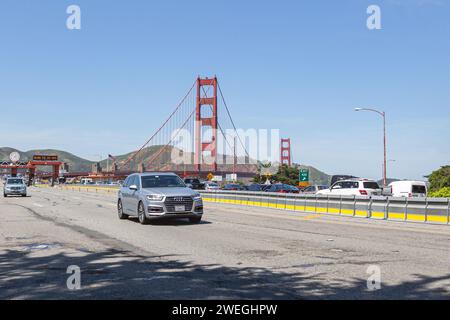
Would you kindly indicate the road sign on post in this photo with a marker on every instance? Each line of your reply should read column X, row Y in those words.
column 304, row 175
column 304, row 178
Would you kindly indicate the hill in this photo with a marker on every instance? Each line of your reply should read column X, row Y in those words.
column 316, row 176
column 75, row 163
column 164, row 160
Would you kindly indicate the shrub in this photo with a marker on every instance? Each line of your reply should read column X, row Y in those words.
column 442, row 193
column 440, row 179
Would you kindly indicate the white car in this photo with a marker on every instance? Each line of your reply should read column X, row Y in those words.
column 409, row 189
column 353, row 187
column 314, row 189
column 211, row 186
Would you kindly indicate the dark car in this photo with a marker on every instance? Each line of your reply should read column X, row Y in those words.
column 233, row 187
column 195, row 183
column 255, row 187
column 282, row 188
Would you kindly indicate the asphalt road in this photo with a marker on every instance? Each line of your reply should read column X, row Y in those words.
column 236, row 253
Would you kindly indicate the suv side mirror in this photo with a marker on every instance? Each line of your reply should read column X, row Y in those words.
column 134, row 187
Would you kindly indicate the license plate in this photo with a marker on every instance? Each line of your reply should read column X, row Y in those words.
column 180, row 208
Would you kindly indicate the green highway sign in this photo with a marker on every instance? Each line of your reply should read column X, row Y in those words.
column 304, row 175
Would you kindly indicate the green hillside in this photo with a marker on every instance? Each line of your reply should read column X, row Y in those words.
column 143, row 157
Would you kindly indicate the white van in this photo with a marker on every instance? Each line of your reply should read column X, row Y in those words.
column 409, row 189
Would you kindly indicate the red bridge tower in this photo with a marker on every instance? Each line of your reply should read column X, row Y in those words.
column 286, row 152
column 206, row 147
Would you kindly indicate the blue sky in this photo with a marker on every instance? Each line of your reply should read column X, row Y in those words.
column 301, row 66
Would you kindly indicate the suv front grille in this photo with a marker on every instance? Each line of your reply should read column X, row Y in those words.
column 171, row 202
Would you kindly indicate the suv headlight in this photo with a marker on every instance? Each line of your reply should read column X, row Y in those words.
column 197, row 197
column 155, row 197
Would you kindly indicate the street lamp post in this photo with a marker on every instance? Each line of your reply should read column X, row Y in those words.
column 383, row 114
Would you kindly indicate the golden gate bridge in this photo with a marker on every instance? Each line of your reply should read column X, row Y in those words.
column 198, row 138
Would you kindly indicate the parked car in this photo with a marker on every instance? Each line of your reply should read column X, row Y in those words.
column 409, row 189
column 211, row 186
column 194, row 183
column 255, row 187
column 314, row 189
column 353, row 187
column 14, row 186
column 233, row 187
column 283, row 188
column 150, row 196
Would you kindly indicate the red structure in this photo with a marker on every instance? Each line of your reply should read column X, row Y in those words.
column 286, row 152
column 202, row 147
column 30, row 168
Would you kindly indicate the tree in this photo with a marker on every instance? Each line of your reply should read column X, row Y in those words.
column 287, row 175
column 440, row 179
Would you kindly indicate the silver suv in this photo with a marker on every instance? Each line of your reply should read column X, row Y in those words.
column 14, row 186
column 150, row 196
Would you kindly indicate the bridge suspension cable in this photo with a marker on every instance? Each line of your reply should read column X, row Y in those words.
column 160, row 129
column 231, row 119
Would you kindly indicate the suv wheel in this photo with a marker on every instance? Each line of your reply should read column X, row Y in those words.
column 122, row 216
column 195, row 220
column 141, row 214
column 5, row 195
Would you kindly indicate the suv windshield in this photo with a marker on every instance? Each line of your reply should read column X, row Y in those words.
column 162, row 182
column 14, row 181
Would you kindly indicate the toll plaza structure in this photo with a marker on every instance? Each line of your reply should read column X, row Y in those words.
column 30, row 167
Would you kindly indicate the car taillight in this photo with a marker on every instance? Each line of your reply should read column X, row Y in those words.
column 363, row 192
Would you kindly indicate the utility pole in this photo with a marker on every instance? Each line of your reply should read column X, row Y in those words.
column 234, row 156
column 383, row 114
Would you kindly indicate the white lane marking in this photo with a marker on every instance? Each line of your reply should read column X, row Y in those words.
column 38, row 205
column 76, row 198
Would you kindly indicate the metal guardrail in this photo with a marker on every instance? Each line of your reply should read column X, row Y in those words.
column 427, row 210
